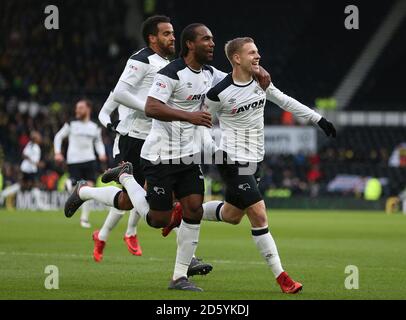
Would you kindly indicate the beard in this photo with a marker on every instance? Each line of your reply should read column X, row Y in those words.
column 202, row 58
column 166, row 50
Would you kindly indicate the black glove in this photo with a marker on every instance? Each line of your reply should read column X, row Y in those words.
column 327, row 127
column 112, row 126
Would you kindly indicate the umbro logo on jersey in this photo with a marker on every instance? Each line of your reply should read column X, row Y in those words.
column 196, row 97
column 133, row 67
column 159, row 190
column 244, row 186
column 189, row 85
column 254, row 105
column 161, row 85
column 232, row 101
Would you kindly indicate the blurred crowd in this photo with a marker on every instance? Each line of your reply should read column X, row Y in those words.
column 44, row 72
column 83, row 57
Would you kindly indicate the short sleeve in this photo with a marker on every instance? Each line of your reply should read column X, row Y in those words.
column 217, row 76
column 162, row 88
column 212, row 102
column 134, row 72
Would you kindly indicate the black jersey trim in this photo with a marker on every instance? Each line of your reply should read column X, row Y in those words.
column 171, row 70
column 242, row 85
column 207, row 67
column 143, row 55
column 194, row 71
column 214, row 92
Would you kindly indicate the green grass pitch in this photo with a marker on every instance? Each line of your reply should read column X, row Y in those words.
column 315, row 247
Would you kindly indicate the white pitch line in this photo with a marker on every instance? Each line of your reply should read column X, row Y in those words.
column 82, row 256
column 112, row 259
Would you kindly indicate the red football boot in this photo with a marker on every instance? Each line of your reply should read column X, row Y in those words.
column 176, row 219
column 98, row 247
column 287, row 284
column 132, row 245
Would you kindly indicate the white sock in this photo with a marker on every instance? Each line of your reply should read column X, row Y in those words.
column 177, row 232
column 188, row 237
column 136, row 193
column 133, row 220
column 85, row 211
column 212, row 210
column 267, row 247
column 104, row 195
column 112, row 219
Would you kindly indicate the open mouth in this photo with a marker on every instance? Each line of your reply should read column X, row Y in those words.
column 255, row 65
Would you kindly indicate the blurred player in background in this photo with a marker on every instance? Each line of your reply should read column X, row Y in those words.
column 32, row 156
column 29, row 168
column 84, row 138
column 238, row 101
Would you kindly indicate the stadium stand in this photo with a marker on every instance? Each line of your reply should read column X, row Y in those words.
column 383, row 88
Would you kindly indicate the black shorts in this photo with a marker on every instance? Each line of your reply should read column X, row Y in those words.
column 30, row 177
column 164, row 180
column 130, row 150
column 84, row 170
column 241, row 183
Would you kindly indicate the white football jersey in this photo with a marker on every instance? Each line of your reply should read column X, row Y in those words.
column 84, row 138
column 33, row 152
column 181, row 88
column 139, row 72
column 240, row 111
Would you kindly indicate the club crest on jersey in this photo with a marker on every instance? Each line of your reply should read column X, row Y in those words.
column 259, row 91
column 161, row 85
column 253, row 105
column 159, row 190
column 244, row 186
column 193, row 97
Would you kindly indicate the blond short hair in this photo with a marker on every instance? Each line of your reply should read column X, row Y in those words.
column 234, row 46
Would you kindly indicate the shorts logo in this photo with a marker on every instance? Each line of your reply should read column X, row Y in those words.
column 159, row 190
column 244, row 186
